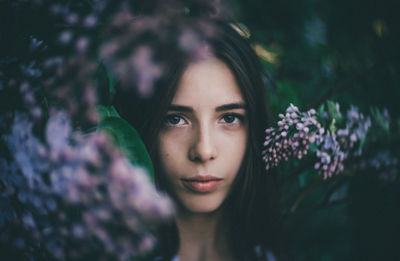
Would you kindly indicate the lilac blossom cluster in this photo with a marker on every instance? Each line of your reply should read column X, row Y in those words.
column 337, row 145
column 330, row 156
column 357, row 126
column 80, row 197
column 298, row 130
column 58, row 69
column 79, row 20
column 144, row 46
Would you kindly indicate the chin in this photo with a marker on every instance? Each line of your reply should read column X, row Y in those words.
column 201, row 204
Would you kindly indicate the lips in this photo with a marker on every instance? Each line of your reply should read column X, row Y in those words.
column 202, row 184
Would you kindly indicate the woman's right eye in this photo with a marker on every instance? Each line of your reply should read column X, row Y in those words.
column 174, row 120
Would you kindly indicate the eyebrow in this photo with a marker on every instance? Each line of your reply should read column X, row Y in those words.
column 231, row 106
column 225, row 107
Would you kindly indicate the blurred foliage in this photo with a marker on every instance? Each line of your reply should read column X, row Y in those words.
column 346, row 51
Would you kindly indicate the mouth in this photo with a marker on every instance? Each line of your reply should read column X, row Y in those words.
column 202, row 184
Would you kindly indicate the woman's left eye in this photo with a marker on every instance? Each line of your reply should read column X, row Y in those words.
column 232, row 118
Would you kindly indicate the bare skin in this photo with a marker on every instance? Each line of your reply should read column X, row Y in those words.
column 201, row 238
column 201, row 146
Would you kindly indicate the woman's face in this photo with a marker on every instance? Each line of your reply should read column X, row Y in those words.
column 204, row 136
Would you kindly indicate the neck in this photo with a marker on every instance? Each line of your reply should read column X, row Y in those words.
column 202, row 236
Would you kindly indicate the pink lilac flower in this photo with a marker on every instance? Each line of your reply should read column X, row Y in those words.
column 295, row 133
column 298, row 130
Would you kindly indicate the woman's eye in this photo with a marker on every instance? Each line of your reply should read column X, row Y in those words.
column 232, row 118
column 174, row 120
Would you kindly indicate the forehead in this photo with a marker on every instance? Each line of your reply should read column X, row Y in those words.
column 207, row 82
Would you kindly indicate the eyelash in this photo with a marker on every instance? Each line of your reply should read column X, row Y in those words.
column 238, row 119
column 170, row 117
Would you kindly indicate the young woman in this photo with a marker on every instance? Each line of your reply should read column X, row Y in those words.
column 204, row 128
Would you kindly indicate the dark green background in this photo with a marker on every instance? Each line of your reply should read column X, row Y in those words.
column 347, row 51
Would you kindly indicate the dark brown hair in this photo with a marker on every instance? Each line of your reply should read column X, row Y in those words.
column 252, row 205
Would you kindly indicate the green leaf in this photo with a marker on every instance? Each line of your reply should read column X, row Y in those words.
column 361, row 144
column 332, row 126
column 111, row 82
column 380, row 119
column 321, row 110
column 105, row 84
column 334, row 111
column 105, row 112
column 287, row 92
column 128, row 139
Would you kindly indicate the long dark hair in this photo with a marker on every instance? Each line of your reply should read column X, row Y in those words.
column 252, row 205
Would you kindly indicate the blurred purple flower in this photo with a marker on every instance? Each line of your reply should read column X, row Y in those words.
column 90, row 21
column 58, row 131
column 66, row 37
column 82, row 44
column 31, row 70
column 146, row 70
column 27, row 150
column 116, row 200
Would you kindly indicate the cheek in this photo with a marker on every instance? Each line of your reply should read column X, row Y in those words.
column 170, row 150
column 233, row 145
column 232, row 149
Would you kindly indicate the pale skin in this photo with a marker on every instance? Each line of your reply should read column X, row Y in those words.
column 204, row 135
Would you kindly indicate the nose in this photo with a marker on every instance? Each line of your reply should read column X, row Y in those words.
column 203, row 147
